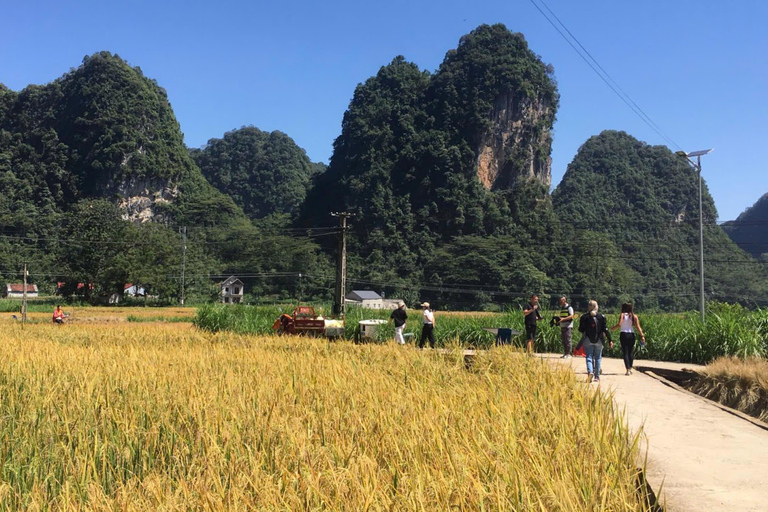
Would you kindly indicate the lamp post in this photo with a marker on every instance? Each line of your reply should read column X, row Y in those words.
column 697, row 165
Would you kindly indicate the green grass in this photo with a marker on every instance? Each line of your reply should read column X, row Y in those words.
column 159, row 318
column 729, row 330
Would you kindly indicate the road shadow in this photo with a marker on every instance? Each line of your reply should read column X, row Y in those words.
column 684, row 377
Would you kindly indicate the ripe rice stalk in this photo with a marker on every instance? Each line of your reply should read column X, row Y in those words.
column 146, row 416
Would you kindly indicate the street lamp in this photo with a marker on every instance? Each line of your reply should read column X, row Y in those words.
column 697, row 165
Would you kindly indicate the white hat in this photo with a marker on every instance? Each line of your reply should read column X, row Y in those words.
column 425, row 304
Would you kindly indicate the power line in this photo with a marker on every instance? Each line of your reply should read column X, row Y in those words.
column 622, row 95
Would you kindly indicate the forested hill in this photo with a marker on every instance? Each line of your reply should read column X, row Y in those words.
column 264, row 173
column 629, row 212
column 424, row 158
column 97, row 186
column 750, row 229
column 101, row 130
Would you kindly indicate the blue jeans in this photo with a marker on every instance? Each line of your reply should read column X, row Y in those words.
column 594, row 356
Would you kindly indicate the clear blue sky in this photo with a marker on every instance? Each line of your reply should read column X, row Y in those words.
column 698, row 68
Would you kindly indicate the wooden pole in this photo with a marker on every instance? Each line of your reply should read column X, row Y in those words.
column 341, row 265
column 24, row 298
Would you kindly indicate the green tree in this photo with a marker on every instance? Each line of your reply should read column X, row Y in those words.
column 93, row 250
column 264, row 173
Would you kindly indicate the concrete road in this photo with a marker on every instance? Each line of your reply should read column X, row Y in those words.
column 706, row 458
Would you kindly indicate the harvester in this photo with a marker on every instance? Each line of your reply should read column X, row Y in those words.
column 305, row 321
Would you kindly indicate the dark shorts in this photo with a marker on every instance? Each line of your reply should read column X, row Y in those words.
column 530, row 331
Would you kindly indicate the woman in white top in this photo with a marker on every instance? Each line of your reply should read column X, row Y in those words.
column 428, row 329
column 628, row 322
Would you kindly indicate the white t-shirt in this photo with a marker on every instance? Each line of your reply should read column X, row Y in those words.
column 429, row 317
column 627, row 323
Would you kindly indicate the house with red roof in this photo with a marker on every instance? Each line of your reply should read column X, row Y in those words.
column 16, row 291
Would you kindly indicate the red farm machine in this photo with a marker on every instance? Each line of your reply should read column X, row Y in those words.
column 305, row 321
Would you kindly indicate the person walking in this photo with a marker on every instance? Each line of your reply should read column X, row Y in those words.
column 531, row 315
column 628, row 322
column 565, row 320
column 428, row 328
column 594, row 326
column 399, row 316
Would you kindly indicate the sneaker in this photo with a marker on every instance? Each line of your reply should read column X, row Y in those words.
column 629, row 372
column 563, row 357
column 567, row 356
column 597, row 379
column 589, row 378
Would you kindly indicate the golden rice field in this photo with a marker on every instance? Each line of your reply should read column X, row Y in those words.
column 160, row 416
column 106, row 314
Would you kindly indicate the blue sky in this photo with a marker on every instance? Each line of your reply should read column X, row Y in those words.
column 698, row 69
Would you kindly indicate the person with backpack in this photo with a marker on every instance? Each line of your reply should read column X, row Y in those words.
column 594, row 326
column 628, row 322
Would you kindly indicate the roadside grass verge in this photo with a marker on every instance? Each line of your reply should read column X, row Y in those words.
column 741, row 384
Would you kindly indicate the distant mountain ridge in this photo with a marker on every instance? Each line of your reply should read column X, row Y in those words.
column 750, row 229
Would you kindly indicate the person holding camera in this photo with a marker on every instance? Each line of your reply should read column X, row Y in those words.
column 594, row 326
column 531, row 315
column 565, row 321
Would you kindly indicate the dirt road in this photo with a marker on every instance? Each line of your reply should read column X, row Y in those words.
column 707, row 459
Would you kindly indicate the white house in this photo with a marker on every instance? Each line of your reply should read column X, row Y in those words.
column 129, row 290
column 232, row 290
column 370, row 300
column 16, row 290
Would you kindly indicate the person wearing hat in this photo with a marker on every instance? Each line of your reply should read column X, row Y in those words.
column 428, row 329
column 399, row 316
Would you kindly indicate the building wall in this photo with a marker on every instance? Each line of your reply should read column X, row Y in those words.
column 20, row 295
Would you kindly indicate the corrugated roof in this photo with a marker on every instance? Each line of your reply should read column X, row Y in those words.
column 19, row 288
column 363, row 295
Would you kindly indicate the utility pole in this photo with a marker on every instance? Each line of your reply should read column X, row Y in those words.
column 24, row 298
column 702, row 305
column 300, row 290
column 341, row 265
column 697, row 167
column 183, row 263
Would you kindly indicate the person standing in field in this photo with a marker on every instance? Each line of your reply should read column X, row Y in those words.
column 566, row 327
column 428, row 327
column 531, row 315
column 628, row 322
column 399, row 316
column 595, row 328
column 58, row 315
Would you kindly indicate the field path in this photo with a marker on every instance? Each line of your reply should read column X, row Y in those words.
column 707, row 458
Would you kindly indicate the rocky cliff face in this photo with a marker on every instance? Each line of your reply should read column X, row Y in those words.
column 511, row 149
column 103, row 130
column 141, row 200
